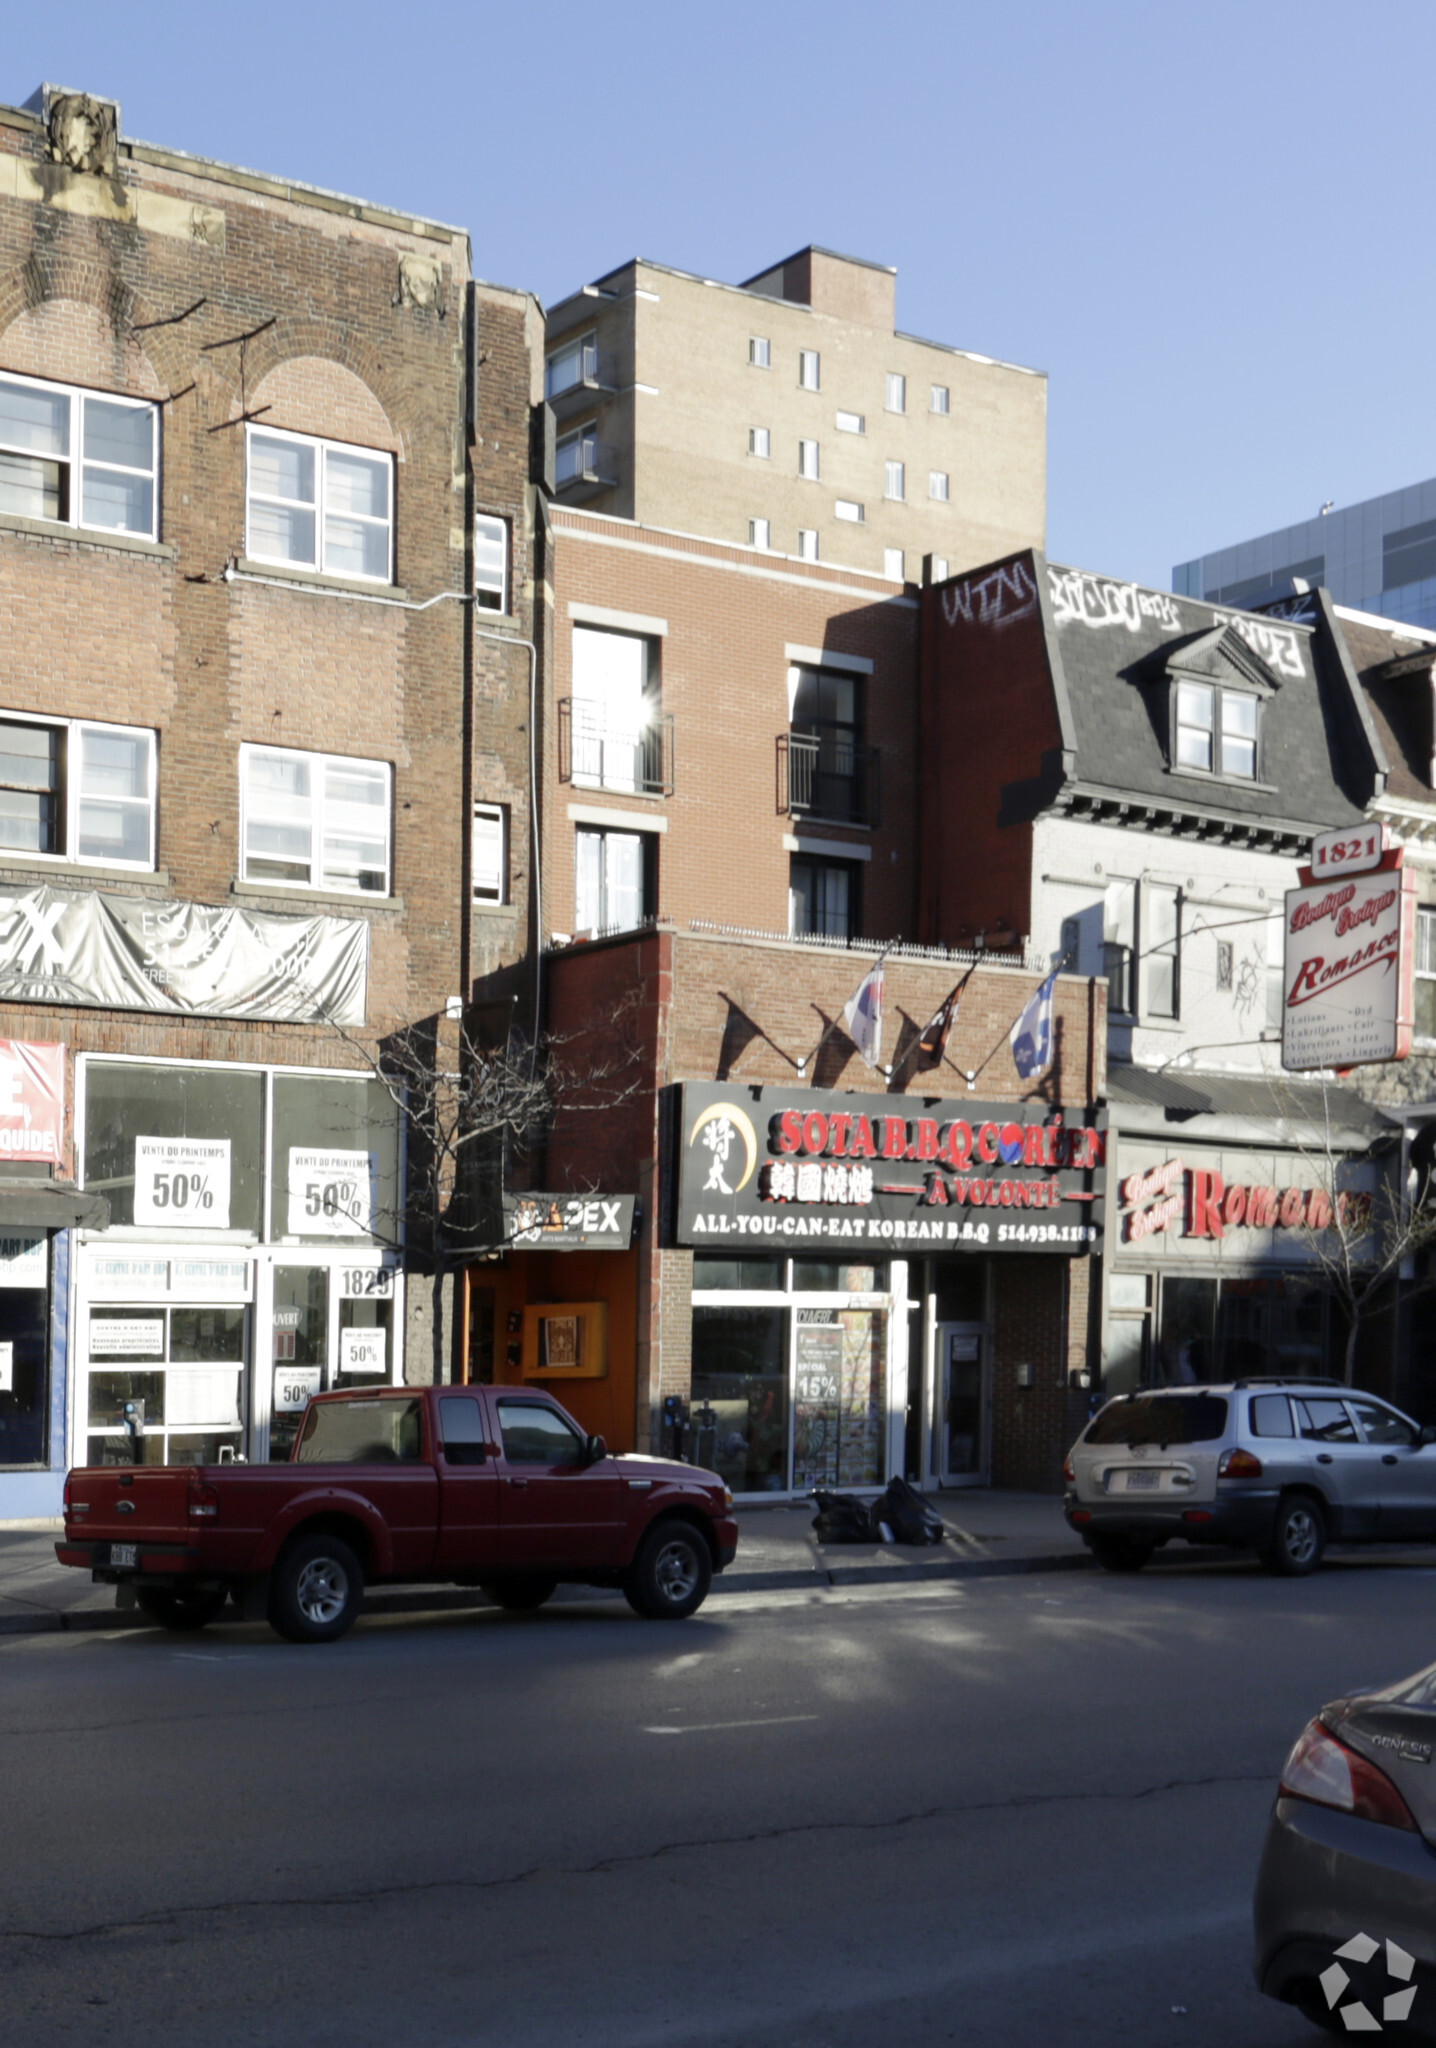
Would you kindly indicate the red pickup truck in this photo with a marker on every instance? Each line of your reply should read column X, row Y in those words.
column 495, row 1487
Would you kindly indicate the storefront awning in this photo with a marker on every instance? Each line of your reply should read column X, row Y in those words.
column 50, row 1205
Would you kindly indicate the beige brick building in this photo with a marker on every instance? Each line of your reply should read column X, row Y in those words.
column 789, row 414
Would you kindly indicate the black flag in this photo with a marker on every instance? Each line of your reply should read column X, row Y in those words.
column 933, row 1043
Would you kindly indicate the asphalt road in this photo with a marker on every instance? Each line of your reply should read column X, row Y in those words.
column 1005, row 1812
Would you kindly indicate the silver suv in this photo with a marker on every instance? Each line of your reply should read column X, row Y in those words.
column 1275, row 1465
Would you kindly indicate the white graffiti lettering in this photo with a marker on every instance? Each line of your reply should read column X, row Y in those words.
column 1094, row 601
column 1000, row 599
column 1277, row 646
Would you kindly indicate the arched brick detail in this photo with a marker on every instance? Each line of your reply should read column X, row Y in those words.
column 316, row 395
column 84, row 315
column 331, row 342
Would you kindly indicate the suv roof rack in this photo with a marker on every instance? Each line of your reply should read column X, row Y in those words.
column 1305, row 1379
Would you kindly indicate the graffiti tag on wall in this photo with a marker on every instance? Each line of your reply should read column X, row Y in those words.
column 997, row 599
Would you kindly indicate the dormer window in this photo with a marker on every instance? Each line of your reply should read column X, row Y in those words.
column 1216, row 730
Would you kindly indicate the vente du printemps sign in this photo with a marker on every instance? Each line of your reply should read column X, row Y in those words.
column 814, row 1168
column 1224, row 1200
column 1349, row 955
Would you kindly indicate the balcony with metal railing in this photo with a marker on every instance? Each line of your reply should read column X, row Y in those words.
column 829, row 777
column 601, row 748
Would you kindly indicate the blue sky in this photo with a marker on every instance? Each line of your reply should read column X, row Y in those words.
column 1204, row 222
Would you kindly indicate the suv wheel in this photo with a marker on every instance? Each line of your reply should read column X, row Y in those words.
column 1120, row 1553
column 317, row 1590
column 1298, row 1537
column 669, row 1578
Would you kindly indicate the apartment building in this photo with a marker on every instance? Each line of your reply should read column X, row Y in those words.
column 790, row 415
column 263, row 536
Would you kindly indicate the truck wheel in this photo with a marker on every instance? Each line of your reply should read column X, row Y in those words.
column 317, row 1590
column 519, row 1596
column 670, row 1576
column 1298, row 1537
column 180, row 1608
column 1120, row 1553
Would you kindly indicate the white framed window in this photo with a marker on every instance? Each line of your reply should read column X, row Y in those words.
column 576, row 457
column 760, row 442
column 1216, row 730
column 317, row 821
column 893, row 564
column 82, row 458
column 489, row 854
column 1160, row 935
column 809, row 369
column 491, row 562
column 937, row 483
column 808, row 460
column 615, row 879
column 73, row 790
column 940, row 400
column 895, row 481
column 320, row 505
column 1426, row 974
column 939, row 568
column 851, row 423
column 576, row 362
column 896, row 392
column 807, row 544
column 849, row 509
column 760, row 353
column 759, row 533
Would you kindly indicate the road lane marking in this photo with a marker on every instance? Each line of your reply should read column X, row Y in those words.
column 712, row 1727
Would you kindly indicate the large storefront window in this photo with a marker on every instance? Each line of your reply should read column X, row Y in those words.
column 1222, row 1328
column 336, row 1156
column 174, row 1147
column 797, row 1375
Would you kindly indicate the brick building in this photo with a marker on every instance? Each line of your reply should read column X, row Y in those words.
column 263, row 535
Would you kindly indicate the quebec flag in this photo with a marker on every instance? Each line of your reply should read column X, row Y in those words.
column 863, row 1017
column 1031, row 1035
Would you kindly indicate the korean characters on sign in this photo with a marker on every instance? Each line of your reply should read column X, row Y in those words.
column 1349, row 956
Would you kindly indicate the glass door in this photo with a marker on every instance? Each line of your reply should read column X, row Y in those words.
column 960, row 1424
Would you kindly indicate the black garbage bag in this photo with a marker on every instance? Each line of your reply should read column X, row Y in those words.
column 843, row 1518
column 908, row 1515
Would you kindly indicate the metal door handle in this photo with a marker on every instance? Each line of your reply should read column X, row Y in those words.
column 1389, row 1459
column 1323, row 1458
column 515, row 1482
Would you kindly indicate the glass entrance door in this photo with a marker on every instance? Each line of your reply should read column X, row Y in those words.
column 960, row 1423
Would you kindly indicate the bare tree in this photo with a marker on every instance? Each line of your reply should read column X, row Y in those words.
column 468, row 1107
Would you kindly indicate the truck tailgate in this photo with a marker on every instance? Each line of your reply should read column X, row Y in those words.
column 129, row 1504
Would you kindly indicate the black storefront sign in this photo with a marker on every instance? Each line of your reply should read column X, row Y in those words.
column 811, row 1168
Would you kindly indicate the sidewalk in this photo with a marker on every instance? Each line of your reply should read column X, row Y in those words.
column 988, row 1533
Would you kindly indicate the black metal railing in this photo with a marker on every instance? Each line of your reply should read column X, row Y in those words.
column 827, row 776
column 608, row 750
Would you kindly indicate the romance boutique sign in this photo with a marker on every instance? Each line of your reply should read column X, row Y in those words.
column 811, row 1168
column 1349, row 959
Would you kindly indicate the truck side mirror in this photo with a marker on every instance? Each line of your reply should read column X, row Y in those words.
column 1427, row 1436
column 596, row 1448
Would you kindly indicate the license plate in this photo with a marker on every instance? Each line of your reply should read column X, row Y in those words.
column 1142, row 1482
column 123, row 1553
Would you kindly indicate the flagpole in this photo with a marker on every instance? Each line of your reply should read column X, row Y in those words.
column 811, row 1060
column 971, row 1076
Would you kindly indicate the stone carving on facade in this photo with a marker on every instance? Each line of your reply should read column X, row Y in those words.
column 421, row 283
column 84, row 133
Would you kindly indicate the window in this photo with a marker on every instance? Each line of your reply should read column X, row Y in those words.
column 845, row 508
column 894, row 481
column 809, row 369
column 937, row 485
column 319, row 505
column 575, row 363
column 615, row 877
column 1379, row 1425
column 759, row 441
column 1119, row 946
column 807, row 544
column 759, row 353
column 491, row 562
column 1160, row 946
column 576, row 457
column 808, row 460
column 1141, row 935
column 893, row 563
column 78, row 457
column 939, row 401
column 939, row 568
column 538, row 1436
column 823, row 898
column 1426, row 974
column 758, row 533
column 851, row 423
column 828, row 766
column 1216, row 730
column 617, row 735
column 75, row 791
column 896, row 392
column 315, row 820
column 489, row 856
column 1225, row 962
column 461, row 1423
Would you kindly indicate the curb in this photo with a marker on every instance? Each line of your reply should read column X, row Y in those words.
column 817, row 1577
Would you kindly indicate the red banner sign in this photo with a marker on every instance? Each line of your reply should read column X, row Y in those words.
column 32, row 1101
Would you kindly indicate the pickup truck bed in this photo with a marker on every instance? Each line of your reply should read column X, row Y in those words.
column 485, row 1486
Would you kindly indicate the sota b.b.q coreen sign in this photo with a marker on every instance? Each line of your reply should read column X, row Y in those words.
column 809, row 1168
